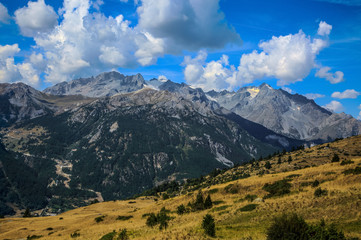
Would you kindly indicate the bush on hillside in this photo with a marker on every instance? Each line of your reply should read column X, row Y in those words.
column 294, row 227
column 209, row 225
column 335, row 158
column 319, row 192
column 278, row 188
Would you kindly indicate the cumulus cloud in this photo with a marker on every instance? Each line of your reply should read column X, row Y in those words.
column 324, row 72
column 215, row 75
column 186, row 24
column 4, row 15
column 87, row 42
column 314, row 96
column 11, row 72
column 324, row 29
column 36, row 18
column 162, row 78
column 334, row 106
column 287, row 58
column 289, row 90
column 349, row 93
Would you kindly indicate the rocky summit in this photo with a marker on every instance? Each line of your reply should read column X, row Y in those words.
column 292, row 115
column 105, row 84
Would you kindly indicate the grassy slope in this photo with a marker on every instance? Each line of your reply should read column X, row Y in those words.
column 341, row 206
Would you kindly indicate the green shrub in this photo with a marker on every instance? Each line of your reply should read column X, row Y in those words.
column 315, row 183
column 208, row 202
column 294, row 227
column 152, row 220
column 99, row 219
column 209, row 225
column 165, row 196
column 27, row 213
column 278, row 188
column 75, row 234
column 288, row 227
column 123, row 235
column 335, row 158
column 249, row 207
column 161, row 218
column 320, row 192
column 181, row 209
column 109, row 236
column 268, row 165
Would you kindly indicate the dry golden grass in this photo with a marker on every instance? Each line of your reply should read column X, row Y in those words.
column 341, row 206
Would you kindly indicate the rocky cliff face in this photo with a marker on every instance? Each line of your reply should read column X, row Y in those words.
column 19, row 102
column 292, row 115
column 105, row 84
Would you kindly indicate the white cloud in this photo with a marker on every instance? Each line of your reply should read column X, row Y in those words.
column 4, row 15
column 314, row 96
column 88, row 42
column 11, row 72
column 289, row 90
column 8, row 51
column 287, row 58
column 334, row 106
column 186, row 24
column 162, row 78
column 324, row 72
column 359, row 115
column 215, row 75
column 349, row 93
column 324, row 29
column 36, row 18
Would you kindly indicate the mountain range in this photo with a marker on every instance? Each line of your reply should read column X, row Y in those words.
column 112, row 136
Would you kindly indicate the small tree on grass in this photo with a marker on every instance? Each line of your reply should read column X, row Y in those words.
column 319, row 192
column 199, row 203
column 27, row 213
column 181, row 209
column 123, row 235
column 335, row 158
column 289, row 159
column 288, row 227
column 152, row 220
column 209, row 226
column 268, row 165
column 208, row 202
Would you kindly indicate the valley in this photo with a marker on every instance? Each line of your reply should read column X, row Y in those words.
column 340, row 205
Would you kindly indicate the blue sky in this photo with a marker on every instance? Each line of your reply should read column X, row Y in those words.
column 307, row 47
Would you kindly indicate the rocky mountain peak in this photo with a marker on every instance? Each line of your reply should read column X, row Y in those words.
column 105, row 84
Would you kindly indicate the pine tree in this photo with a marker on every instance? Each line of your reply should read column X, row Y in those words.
column 27, row 213
column 209, row 226
column 268, row 165
column 208, row 202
